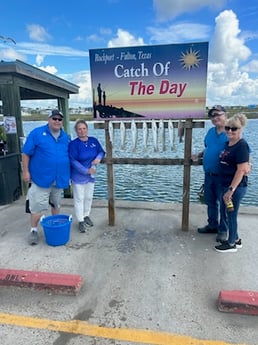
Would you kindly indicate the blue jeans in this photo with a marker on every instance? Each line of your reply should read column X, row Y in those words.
column 229, row 219
column 212, row 198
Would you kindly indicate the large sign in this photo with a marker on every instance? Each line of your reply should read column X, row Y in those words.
column 150, row 82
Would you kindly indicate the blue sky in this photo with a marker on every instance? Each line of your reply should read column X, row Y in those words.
column 56, row 37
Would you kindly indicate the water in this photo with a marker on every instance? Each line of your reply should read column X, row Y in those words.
column 158, row 183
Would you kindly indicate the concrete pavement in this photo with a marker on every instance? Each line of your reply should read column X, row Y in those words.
column 144, row 273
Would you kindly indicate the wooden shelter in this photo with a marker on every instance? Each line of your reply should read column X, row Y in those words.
column 20, row 81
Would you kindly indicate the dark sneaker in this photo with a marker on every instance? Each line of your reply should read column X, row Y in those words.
column 88, row 221
column 82, row 227
column 238, row 243
column 207, row 230
column 222, row 237
column 226, row 248
column 33, row 238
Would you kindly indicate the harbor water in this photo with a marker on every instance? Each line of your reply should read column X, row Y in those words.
column 158, row 183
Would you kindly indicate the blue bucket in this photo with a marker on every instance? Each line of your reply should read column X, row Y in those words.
column 56, row 229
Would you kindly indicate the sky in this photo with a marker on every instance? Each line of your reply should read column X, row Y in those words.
column 56, row 37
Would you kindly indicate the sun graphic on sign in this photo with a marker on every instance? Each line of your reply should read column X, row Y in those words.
column 190, row 59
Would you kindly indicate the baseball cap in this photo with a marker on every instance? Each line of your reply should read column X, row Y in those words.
column 55, row 112
column 216, row 108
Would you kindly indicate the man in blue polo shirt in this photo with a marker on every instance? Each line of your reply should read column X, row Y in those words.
column 46, row 167
column 214, row 143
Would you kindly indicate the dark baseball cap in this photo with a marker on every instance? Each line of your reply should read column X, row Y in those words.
column 219, row 108
column 55, row 112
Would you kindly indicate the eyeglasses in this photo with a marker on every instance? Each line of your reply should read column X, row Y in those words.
column 216, row 114
column 56, row 119
column 233, row 129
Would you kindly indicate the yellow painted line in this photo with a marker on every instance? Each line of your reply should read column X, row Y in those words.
column 123, row 334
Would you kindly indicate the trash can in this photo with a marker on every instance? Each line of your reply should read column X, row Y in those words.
column 10, row 178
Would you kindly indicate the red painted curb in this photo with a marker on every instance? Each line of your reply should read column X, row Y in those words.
column 69, row 284
column 238, row 301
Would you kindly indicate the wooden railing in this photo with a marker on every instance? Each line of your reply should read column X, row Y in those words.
column 188, row 125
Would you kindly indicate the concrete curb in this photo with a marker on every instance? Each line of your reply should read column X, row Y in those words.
column 68, row 284
column 238, row 301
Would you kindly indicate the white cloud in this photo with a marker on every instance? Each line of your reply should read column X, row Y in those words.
column 47, row 49
column 124, row 38
column 38, row 33
column 167, row 9
column 49, row 69
column 99, row 36
column 180, row 32
column 83, row 80
column 227, row 44
column 228, row 82
column 11, row 54
column 252, row 66
column 39, row 59
column 105, row 31
column 94, row 38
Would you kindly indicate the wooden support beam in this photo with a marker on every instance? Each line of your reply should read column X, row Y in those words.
column 187, row 175
column 110, row 177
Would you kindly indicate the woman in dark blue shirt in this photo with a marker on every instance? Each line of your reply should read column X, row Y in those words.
column 234, row 168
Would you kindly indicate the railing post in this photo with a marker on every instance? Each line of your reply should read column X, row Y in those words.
column 187, row 174
column 110, row 177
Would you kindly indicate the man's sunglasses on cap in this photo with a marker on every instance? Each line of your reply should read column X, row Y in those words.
column 216, row 109
column 216, row 114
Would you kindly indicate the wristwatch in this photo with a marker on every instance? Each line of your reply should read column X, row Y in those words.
column 232, row 189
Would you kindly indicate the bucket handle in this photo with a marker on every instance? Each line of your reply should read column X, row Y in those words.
column 43, row 216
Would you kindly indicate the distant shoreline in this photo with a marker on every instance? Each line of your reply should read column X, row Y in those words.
column 73, row 117
column 89, row 117
column 250, row 113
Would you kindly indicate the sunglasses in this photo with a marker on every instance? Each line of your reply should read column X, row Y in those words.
column 57, row 119
column 233, row 129
column 216, row 114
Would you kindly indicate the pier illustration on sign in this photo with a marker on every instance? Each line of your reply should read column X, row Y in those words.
column 102, row 110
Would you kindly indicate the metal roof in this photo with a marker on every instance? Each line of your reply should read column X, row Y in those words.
column 34, row 83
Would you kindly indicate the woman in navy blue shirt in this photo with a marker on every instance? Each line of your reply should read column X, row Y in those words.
column 234, row 168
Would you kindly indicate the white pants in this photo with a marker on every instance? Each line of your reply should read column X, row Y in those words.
column 82, row 197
